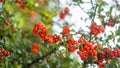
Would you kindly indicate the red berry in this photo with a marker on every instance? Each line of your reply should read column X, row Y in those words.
column 56, row 38
column 13, row 28
column 50, row 38
column 35, row 48
column 109, row 23
column 6, row 22
column 40, row 30
column 6, row 53
column 65, row 31
column 66, row 10
column 62, row 15
column 35, row 51
column 2, row 1
column 1, row 57
column 96, row 29
column 2, row 49
column 22, row 5
column 18, row 1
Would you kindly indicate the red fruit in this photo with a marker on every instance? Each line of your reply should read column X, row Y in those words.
column 72, row 49
column 50, row 38
column 35, row 48
column 107, row 50
column 101, row 29
column 112, row 55
column 18, row 1
column 81, row 39
column 6, row 53
column 1, row 57
column 72, row 44
column 62, row 15
column 109, row 23
column 2, row 1
column 66, row 10
column 96, row 29
column 40, row 30
column 13, row 28
column 65, row 31
column 6, row 22
column 2, row 49
column 119, row 53
column 22, row 5
column 35, row 51
column 56, row 38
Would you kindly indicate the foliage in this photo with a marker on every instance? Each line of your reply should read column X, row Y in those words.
column 28, row 41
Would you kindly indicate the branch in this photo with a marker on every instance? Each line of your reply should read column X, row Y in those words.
column 81, row 7
column 95, row 9
column 40, row 58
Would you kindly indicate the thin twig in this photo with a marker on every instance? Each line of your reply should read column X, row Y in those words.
column 40, row 58
column 81, row 7
column 95, row 9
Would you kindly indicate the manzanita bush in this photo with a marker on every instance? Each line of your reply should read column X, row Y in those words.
column 28, row 41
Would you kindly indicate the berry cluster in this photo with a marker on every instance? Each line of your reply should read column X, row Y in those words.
column 3, row 53
column 104, row 57
column 115, row 53
column 65, row 31
column 6, row 23
column 35, row 48
column 40, row 30
column 64, row 12
column 72, row 45
column 111, row 22
column 21, row 3
column 87, row 49
column 96, row 29
column 2, row 1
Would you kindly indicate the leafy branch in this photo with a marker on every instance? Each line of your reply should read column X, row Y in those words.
column 40, row 58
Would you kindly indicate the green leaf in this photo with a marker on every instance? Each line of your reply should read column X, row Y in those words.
column 117, row 31
column 111, row 8
column 100, row 2
column 118, row 46
column 100, row 9
column 113, row 63
column 101, row 17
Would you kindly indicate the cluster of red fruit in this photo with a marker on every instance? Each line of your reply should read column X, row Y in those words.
column 104, row 57
column 3, row 53
column 87, row 49
column 2, row 1
column 96, row 29
column 65, row 31
column 72, row 44
column 40, row 30
column 112, row 21
column 109, row 23
column 64, row 12
column 35, row 48
column 21, row 3
column 7, row 24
